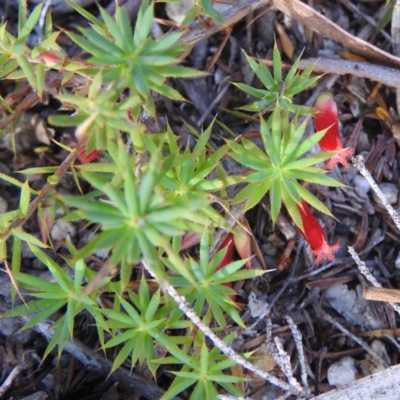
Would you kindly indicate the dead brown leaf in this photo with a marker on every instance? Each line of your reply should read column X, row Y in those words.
column 287, row 45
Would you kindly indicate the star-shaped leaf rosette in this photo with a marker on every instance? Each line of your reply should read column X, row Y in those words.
column 278, row 89
column 278, row 171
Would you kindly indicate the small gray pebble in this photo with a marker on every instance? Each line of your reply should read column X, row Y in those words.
column 62, row 230
column 361, row 184
column 177, row 11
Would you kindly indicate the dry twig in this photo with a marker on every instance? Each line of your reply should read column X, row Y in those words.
column 358, row 162
column 365, row 271
column 281, row 357
column 10, row 378
column 299, row 345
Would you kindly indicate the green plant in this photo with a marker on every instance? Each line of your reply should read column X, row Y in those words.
column 278, row 169
column 142, row 322
column 206, row 285
column 204, row 369
column 186, row 180
column 278, row 90
column 139, row 63
column 148, row 193
column 64, row 292
column 136, row 221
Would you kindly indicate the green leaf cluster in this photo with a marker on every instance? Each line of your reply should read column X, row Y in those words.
column 66, row 292
column 141, row 207
column 278, row 89
column 132, row 60
column 103, row 114
column 203, row 369
column 207, row 284
column 142, row 321
column 135, row 220
column 17, row 60
column 278, row 169
column 189, row 179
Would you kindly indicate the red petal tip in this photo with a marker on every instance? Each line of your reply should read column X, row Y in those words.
column 325, row 252
column 340, row 158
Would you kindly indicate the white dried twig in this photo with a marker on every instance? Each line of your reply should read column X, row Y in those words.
column 281, row 357
column 285, row 364
column 299, row 345
column 10, row 378
column 358, row 162
column 365, row 271
column 42, row 19
column 227, row 350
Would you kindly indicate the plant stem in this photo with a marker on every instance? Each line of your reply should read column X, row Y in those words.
column 48, row 187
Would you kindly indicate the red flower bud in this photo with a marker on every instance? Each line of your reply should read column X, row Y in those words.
column 85, row 158
column 315, row 235
column 53, row 58
column 328, row 118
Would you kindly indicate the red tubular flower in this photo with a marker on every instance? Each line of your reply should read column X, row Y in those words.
column 328, row 118
column 85, row 158
column 315, row 235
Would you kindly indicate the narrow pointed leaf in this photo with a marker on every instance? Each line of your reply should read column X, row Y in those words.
column 24, row 199
column 30, row 23
column 310, row 161
column 291, row 207
column 259, row 93
column 263, row 74
column 312, row 200
column 277, row 64
column 276, row 199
